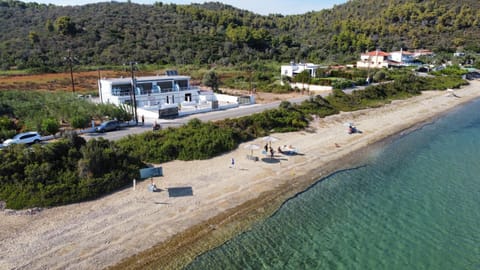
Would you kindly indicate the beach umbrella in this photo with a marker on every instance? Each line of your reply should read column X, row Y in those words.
column 348, row 124
column 251, row 147
column 269, row 139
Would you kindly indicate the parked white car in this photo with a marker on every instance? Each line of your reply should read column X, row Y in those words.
column 24, row 138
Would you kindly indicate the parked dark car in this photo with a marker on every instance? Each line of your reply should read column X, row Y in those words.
column 108, row 126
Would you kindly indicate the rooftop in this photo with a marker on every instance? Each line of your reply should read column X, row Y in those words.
column 376, row 53
column 146, row 78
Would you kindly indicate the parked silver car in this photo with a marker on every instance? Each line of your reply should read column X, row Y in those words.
column 24, row 138
column 108, row 126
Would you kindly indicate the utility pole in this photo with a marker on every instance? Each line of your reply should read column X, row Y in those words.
column 100, row 86
column 251, row 85
column 134, row 86
column 70, row 64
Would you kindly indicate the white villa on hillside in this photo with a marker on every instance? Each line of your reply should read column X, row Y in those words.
column 297, row 68
column 373, row 59
column 380, row 59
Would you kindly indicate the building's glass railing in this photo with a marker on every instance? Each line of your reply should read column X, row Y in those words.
column 155, row 90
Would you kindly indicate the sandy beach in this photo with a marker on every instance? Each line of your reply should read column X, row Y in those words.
column 203, row 203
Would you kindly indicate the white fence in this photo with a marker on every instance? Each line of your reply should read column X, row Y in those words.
column 311, row 87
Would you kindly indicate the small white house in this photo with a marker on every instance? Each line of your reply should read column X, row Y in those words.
column 296, row 68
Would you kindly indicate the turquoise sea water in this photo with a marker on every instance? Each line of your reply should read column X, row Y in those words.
column 413, row 204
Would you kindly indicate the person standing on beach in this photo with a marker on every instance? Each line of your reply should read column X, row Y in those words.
column 232, row 164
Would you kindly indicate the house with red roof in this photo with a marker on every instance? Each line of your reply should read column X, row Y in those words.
column 373, row 59
column 381, row 59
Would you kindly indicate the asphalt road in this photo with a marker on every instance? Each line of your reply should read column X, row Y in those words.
column 132, row 128
column 205, row 117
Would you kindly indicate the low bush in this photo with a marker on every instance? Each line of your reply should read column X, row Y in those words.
column 198, row 140
column 318, row 106
column 443, row 83
column 50, row 126
column 195, row 140
column 80, row 121
column 451, row 71
column 342, row 84
column 33, row 108
column 69, row 170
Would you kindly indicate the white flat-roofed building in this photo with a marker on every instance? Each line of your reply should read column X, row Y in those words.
column 422, row 52
column 403, row 58
column 166, row 96
column 150, row 91
column 297, row 68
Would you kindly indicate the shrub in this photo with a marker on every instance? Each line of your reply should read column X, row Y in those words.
column 80, row 121
column 453, row 70
column 7, row 128
column 211, row 80
column 50, row 126
column 6, row 134
column 65, row 171
column 318, row 106
column 379, row 76
column 32, row 108
column 195, row 140
column 322, row 81
column 342, row 84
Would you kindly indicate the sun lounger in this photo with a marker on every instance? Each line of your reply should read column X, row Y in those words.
column 288, row 151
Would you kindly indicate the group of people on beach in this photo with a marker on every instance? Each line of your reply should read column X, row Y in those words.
column 286, row 150
column 269, row 149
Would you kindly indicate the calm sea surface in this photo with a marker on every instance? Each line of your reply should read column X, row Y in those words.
column 414, row 204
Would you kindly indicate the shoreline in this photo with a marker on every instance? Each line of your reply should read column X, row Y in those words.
column 138, row 229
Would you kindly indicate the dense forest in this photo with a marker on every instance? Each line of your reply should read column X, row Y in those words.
column 40, row 36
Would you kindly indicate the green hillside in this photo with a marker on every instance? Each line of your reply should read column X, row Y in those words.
column 38, row 36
